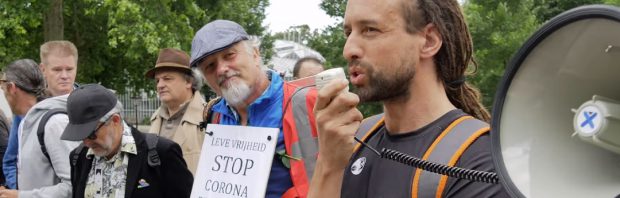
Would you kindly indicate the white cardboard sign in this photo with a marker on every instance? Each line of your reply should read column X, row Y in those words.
column 235, row 161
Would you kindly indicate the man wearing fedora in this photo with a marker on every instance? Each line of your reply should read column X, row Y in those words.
column 116, row 160
column 182, row 104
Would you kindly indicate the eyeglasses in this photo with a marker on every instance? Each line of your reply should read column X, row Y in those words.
column 93, row 135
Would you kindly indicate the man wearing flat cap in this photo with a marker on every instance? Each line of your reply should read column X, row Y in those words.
column 116, row 160
column 182, row 104
column 256, row 96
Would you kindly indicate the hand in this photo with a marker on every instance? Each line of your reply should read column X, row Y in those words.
column 337, row 119
column 8, row 193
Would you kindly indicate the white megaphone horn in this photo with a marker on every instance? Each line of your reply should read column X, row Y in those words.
column 556, row 122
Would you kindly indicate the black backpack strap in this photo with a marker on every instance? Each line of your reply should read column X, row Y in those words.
column 41, row 129
column 151, row 142
column 75, row 154
column 74, row 158
column 208, row 114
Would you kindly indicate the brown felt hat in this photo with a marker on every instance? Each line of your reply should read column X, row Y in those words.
column 171, row 59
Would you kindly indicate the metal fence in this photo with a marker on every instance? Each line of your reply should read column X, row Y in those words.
column 138, row 109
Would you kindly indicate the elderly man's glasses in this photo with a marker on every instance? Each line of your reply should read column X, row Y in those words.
column 93, row 135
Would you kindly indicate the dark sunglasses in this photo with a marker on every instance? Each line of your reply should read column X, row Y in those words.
column 93, row 135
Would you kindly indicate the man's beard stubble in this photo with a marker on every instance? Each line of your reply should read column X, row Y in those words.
column 383, row 86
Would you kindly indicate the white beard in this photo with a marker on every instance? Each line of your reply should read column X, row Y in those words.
column 106, row 147
column 236, row 93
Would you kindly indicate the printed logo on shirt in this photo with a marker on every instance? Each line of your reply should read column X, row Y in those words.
column 358, row 166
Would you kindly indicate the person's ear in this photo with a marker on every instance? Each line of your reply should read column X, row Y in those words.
column 42, row 67
column 116, row 118
column 432, row 41
column 189, row 83
column 256, row 55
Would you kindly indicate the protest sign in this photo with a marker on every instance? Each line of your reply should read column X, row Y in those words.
column 235, row 161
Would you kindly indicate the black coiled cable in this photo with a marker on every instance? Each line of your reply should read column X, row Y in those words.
column 461, row 173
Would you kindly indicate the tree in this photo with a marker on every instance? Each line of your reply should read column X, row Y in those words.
column 21, row 30
column 330, row 41
column 53, row 23
column 119, row 40
column 498, row 29
column 547, row 9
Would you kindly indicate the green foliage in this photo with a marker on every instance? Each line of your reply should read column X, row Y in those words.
column 498, row 29
column 547, row 9
column 330, row 42
column 613, row 2
column 20, row 33
column 118, row 40
column 248, row 13
column 334, row 8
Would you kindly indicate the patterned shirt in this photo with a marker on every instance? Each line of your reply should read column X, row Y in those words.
column 107, row 177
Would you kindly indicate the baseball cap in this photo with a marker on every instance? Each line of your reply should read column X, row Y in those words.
column 86, row 105
column 215, row 37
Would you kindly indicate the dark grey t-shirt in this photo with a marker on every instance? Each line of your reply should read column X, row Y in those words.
column 386, row 178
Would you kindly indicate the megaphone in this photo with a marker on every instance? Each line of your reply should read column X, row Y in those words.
column 556, row 116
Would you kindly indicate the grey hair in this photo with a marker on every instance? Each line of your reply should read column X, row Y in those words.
column 197, row 79
column 118, row 109
column 252, row 44
column 27, row 76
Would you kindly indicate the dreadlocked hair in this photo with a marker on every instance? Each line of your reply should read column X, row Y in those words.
column 455, row 54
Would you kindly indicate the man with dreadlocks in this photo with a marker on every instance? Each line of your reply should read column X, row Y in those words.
column 411, row 55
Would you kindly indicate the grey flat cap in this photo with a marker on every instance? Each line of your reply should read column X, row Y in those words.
column 214, row 37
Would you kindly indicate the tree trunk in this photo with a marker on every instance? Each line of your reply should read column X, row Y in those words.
column 53, row 26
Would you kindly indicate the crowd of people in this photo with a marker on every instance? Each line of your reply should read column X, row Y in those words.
column 70, row 140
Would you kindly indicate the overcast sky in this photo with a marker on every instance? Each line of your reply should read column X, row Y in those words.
column 282, row 14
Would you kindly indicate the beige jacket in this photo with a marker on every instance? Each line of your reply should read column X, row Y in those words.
column 188, row 135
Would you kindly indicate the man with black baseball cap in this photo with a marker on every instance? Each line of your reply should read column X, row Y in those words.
column 115, row 162
column 255, row 96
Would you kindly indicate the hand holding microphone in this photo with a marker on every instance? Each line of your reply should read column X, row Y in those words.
column 337, row 118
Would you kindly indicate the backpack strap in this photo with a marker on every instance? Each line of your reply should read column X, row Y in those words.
column 210, row 117
column 151, row 142
column 41, row 129
column 367, row 128
column 75, row 154
column 446, row 149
